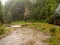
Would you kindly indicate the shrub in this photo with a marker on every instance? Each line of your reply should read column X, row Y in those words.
column 53, row 30
column 2, row 30
column 53, row 40
column 43, row 28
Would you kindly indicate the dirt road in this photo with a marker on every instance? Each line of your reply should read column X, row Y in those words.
column 24, row 36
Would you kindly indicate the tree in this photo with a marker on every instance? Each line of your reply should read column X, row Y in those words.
column 1, row 13
column 40, row 10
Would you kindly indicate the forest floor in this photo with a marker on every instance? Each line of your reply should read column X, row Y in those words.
column 24, row 36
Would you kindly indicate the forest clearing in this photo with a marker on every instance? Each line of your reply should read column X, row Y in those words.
column 29, row 22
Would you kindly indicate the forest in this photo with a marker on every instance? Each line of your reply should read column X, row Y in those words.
column 40, row 15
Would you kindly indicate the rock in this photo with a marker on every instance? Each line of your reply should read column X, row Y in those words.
column 16, row 26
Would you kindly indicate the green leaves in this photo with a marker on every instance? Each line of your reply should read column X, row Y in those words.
column 1, row 13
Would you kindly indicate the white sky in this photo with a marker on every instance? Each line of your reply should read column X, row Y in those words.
column 3, row 1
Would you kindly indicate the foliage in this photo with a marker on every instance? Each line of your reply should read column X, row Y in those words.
column 1, row 13
column 41, row 10
column 2, row 30
column 53, row 30
column 53, row 41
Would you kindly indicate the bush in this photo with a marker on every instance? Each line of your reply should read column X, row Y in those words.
column 53, row 40
column 2, row 30
column 53, row 30
column 43, row 28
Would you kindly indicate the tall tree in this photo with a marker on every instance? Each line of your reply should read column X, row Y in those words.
column 1, row 13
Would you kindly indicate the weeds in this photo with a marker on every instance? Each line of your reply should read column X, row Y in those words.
column 53, row 40
column 53, row 30
column 2, row 30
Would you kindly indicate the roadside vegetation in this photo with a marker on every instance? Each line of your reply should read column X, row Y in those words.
column 4, row 31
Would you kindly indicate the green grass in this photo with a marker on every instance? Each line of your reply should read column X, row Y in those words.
column 53, row 40
column 18, row 22
column 4, row 31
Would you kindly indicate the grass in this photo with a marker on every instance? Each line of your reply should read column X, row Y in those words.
column 18, row 22
column 53, row 40
column 4, row 31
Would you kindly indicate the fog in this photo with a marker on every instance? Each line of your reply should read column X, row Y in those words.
column 3, row 1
